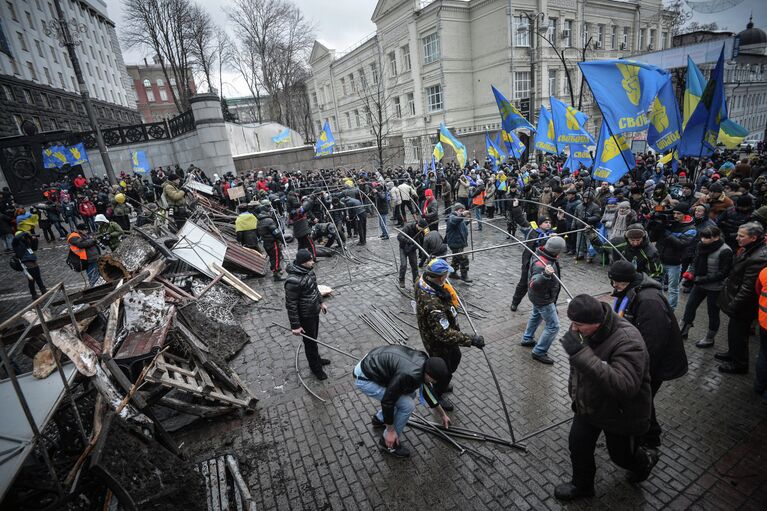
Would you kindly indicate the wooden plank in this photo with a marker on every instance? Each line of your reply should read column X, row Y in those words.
column 213, row 471
column 208, row 489
column 236, row 283
column 112, row 323
column 241, row 489
column 224, row 488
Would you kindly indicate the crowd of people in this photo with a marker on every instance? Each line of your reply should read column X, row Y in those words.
column 659, row 232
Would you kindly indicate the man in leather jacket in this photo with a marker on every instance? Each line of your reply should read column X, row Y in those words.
column 271, row 237
column 303, row 302
column 392, row 375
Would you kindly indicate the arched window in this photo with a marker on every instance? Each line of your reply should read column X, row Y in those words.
column 147, row 83
column 160, row 82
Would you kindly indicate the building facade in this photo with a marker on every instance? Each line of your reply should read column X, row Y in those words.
column 37, row 82
column 436, row 61
column 249, row 109
column 154, row 95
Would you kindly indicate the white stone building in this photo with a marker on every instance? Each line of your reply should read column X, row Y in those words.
column 437, row 60
column 36, row 57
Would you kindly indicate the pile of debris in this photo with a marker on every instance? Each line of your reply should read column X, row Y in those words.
column 148, row 344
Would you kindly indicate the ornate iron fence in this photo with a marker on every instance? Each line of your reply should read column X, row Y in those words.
column 123, row 135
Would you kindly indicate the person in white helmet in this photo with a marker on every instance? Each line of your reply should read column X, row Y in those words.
column 108, row 232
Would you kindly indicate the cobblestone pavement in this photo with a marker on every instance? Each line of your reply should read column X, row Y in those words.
column 298, row 453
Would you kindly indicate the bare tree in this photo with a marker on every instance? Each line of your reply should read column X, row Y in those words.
column 376, row 91
column 162, row 26
column 245, row 61
column 203, row 42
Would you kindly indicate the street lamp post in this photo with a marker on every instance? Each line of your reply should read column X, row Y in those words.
column 62, row 30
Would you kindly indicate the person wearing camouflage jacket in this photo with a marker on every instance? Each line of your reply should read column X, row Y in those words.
column 436, row 309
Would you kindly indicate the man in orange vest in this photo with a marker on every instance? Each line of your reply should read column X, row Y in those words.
column 478, row 203
column 760, row 385
column 87, row 251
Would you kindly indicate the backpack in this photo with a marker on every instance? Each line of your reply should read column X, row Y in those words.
column 74, row 262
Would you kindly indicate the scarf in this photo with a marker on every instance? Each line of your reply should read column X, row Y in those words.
column 432, row 289
column 620, row 223
column 701, row 262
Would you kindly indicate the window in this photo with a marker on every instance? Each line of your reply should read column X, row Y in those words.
column 374, row 73
column 352, row 85
column 568, row 33
column 29, row 20
column 160, row 82
column 62, row 82
column 392, row 64
column 434, row 97
column 12, row 10
column 15, row 67
column 74, row 83
column 28, row 97
column 521, row 84
column 39, row 49
column 88, row 67
column 368, row 117
column 343, row 88
column 431, row 49
column 553, row 83
column 54, row 124
column 22, row 41
column 585, row 34
column 173, row 81
column 39, row 5
column 314, row 99
column 45, row 101
column 149, row 95
column 163, row 95
column 406, row 57
column 37, row 123
column 601, row 36
column 664, row 40
column 19, row 121
column 551, row 31
column 147, row 83
column 53, row 54
column 66, row 59
column 356, row 118
column 32, row 71
column 651, row 43
column 348, row 120
column 625, row 41
column 613, row 37
column 47, row 76
column 53, row 13
column 521, row 31
column 8, row 93
column 641, row 39
column 410, row 103
column 363, row 79
column 397, row 108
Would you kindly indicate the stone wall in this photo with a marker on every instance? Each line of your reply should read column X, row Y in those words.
column 302, row 158
column 255, row 138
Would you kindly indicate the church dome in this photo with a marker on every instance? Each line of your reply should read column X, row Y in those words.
column 752, row 35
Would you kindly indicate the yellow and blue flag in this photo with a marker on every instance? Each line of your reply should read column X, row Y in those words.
column 624, row 91
column 325, row 142
column 579, row 155
column 731, row 134
column 492, row 152
column 569, row 125
column 460, row 150
column 702, row 130
column 76, row 154
column 55, row 157
column 438, row 153
column 511, row 118
column 614, row 157
column 282, row 137
column 545, row 136
column 665, row 129
column 140, row 162
column 498, row 143
column 514, row 145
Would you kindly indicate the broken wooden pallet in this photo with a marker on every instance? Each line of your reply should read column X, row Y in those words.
column 187, row 375
column 225, row 487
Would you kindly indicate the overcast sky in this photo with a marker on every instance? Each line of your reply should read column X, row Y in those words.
column 343, row 23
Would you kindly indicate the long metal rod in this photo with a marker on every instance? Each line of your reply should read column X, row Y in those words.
column 342, row 352
column 513, row 244
column 440, row 433
column 298, row 373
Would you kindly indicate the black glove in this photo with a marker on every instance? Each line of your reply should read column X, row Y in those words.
column 571, row 343
column 478, row 341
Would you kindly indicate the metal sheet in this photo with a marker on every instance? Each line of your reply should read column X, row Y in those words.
column 247, row 259
column 43, row 397
column 198, row 248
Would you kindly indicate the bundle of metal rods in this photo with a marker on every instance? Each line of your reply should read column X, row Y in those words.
column 381, row 322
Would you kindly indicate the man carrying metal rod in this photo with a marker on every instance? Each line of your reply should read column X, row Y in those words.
column 436, row 309
column 271, row 237
column 536, row 238
column 456, row 237
column 407, row 248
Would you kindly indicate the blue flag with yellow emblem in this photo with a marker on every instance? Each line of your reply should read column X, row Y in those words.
column 614, row 157
column 325, row 142
column 76, row 154
column 140, row 162
column 514, row 145
column 492, row 152
column 569, row 125
column 544, row 135
column 579, row 155
column 624, row 91
column 665, row 129
column 511, row 118
column 55, row 157
column 702, row 129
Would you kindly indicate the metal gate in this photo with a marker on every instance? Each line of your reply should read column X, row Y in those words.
column 21, row 162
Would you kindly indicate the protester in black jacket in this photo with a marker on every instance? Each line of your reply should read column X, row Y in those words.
column 303, row 302
column 271, row 237
column 639, row 299
column 739, row 300
column 412, row 233
column 672, row 241
column 536, row 238
column 392, row 375
column 24, row 247
column 732, row 218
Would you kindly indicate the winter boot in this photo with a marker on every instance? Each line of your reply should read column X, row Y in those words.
column 708, row 341
column 685, row 329
column 465, row 276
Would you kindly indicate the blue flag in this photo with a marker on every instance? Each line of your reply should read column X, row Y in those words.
column 325, row 142
column 282, row 137
column 448, row 138
column 140, row 162
column 665, row 130
column 492, row 152
column 511, row 118
column 624, row 91
column 702, row 129
column 545, row 136
column 498, row 143
column 579, row 155
column 76, row 154
column 569, row 125
column 514, row 145
column 55, row 157
column 614, row 157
